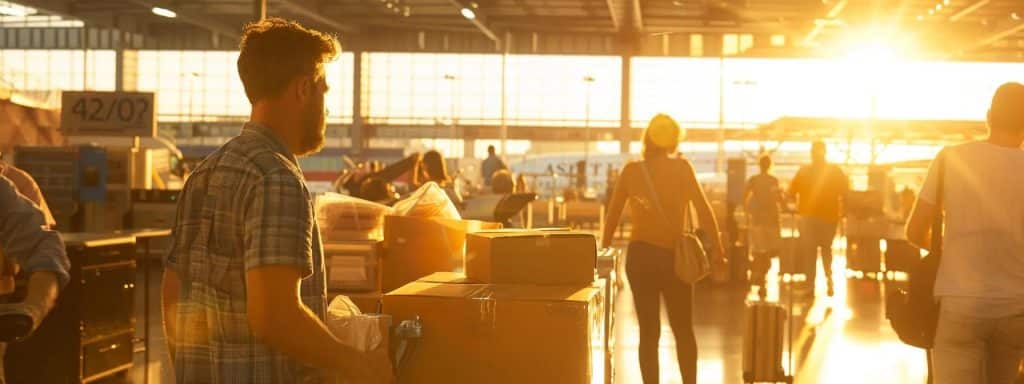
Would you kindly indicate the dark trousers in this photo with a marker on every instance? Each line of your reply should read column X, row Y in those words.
column 651, row 277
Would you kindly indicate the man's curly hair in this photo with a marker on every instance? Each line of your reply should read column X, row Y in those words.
column 275, row 51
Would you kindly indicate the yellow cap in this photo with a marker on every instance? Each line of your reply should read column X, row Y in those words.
column 663, row 131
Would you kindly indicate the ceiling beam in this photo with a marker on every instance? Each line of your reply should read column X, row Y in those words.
column 969, row 10
column 304, row 11
column 1003, row 31
column 638, row 15
column 819, row 24
column 613, row 12
column 201, row 21
column 480, row 21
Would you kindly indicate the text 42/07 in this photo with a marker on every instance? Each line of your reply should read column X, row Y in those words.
column 127, row 110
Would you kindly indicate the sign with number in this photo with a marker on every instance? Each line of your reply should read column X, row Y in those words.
column 108, row 114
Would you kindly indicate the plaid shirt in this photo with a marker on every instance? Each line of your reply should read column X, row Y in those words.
column 245, row 206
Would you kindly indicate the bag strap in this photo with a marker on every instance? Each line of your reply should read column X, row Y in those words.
column 940, row 198
column 656, row 200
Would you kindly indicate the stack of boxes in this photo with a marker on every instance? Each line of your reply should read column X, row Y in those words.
column 528, row 309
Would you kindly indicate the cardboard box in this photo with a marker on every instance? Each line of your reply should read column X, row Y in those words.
column 477, row 333
column 353, row 266
column 531, row 257
column 416, row 247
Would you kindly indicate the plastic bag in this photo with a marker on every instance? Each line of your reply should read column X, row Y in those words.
column 363, row 332
column 430, row 202
column 342, row 217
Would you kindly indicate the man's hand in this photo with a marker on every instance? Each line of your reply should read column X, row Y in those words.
column 19, row 320
column 718, row 258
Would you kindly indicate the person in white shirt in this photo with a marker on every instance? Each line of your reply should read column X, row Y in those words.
column 980, row 283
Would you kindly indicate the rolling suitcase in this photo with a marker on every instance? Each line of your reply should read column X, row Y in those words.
column 763, row 342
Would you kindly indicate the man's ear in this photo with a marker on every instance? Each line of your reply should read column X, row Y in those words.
column 303, row 87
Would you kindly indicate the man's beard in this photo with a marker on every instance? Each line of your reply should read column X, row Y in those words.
column 313, row 125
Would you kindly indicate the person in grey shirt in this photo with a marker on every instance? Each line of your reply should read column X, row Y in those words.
column 491, row 165
column 27, row 240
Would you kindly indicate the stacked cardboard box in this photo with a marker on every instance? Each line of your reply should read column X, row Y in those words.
column 528, row 310
column 416, row 247
column 490, row 333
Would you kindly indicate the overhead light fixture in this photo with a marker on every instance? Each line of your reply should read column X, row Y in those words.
column 468, row 13
column 946, row 2
column 931, row 12
column 164, row 12
column 938, row 7
column 920, row 17
column 1015, row 16
column 16, row 11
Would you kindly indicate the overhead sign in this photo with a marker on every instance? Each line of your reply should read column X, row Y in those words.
column 108, row 114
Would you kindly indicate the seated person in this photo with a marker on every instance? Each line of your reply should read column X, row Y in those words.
column 502, row 183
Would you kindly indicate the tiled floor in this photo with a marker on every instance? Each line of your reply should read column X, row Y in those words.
column 853, row 344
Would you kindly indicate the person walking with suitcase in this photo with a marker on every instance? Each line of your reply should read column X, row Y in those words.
column 763, row 199
column 819, row 189
column 649, row 263
column 980, row 280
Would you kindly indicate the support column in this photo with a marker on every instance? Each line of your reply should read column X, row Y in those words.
column 126, row 69
column 356, row 132
column 626, row 125
column 468, row 146
column 504, row 97
column 259, row 9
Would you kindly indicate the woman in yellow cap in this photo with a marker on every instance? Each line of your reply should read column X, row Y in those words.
column 657, row 224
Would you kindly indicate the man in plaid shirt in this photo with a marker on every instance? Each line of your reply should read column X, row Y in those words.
column 244, row 290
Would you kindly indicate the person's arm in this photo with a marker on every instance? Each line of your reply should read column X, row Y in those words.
column 748, row 192
column 273, row 300
column 705, row 215
column 844, row 189
column 924, row 213
column 615, row 207
column 171, row 290
column 793, row 190
column 278, row 242
column 919, row 227
column 25, row 238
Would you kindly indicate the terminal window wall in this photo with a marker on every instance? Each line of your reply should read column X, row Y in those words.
column 750, row 92
column 204, row 86
column 55, row 70
column 429, row 89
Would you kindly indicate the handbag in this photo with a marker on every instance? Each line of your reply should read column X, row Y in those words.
column 690, row 262
column 914, row 312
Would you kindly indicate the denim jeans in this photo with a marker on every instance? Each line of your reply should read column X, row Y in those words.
column 976, row 349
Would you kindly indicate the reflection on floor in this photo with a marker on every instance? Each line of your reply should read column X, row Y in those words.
column 852, row 341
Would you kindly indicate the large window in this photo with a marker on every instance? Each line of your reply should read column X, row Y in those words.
column 429, row 89
column 204, row 85
column 750, row 92
column 53, row 70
